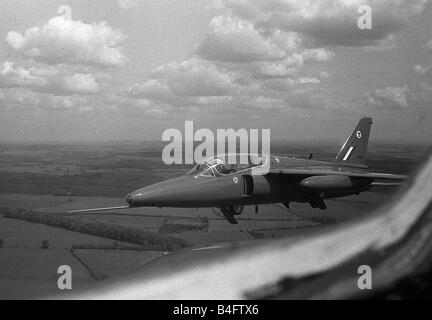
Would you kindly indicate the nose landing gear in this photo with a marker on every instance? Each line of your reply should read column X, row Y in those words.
column 230, row 211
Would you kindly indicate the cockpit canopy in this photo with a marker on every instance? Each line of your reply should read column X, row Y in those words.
column 227, row 164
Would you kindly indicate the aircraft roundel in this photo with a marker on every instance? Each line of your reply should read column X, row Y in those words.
column 358, row 134
column 235, row 179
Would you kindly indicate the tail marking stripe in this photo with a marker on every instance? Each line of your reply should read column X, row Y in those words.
column 348, row 153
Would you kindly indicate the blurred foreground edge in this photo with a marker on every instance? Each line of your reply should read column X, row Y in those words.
column 395, row 242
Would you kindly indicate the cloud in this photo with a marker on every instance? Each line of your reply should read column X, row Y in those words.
column 11, row 76
column 389, row 98
column 237, row 61
column 289, row 67
column 254, row 55
column 190, row 78
column 428, row 45
column 128, row 4
column 69, row 41
column 270, row 53
column 277, row 70
column 423, row 71
column 306, row 80
column 47, row 79
column 317, row 54
column 235, row 40
column 231, row 39
column 328, row 23
column 425, row 75
column 25, row 100
column 81, row 83
column 151, row 89
column 324, row 75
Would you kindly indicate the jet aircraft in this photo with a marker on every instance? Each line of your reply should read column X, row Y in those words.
column 217, row 184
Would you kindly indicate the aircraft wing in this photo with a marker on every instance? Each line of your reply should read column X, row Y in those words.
column 319, row 172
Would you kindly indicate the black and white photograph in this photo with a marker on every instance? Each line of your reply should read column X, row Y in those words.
column 214, row 154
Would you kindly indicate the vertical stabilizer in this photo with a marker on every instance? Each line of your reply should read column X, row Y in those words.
column 354, row 149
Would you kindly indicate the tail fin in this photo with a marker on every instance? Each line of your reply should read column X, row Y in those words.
column 355, row 148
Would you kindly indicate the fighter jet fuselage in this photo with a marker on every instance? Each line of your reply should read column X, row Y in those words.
column 230, row 186
column 216, row 190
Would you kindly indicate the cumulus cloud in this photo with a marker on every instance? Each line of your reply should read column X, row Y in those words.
column 324, row 75
column 11, row 76
column 276, row 70
column 423, row 71
column 262, row 63
column 270, row 53
column 317, row 54
column 231, row 39
column 47, row 79
column 310, row 80
column 290, row 66
column 128, row 4
column 389, row 98
column 81, row 83
column 265, row 62
column 26, row 100
column 425, row 76
column 329, row 23
column 151, row 89
column 238, row 61
column 428, row 45
column 234, row 40
column 61, row 40
column 186, row 79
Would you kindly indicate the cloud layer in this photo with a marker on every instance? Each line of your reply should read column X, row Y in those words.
column 61, row 40
column 47, row 79
column 62, row 64
column 389, row 98
column 274, row 58
column 274, row 53
column 328, row 23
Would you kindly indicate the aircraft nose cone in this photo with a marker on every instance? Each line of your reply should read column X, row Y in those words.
column 129, row 199
column 147, row 196
column 152, row 195
column 159, row 194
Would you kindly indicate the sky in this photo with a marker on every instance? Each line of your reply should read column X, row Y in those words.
column 106, row 70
